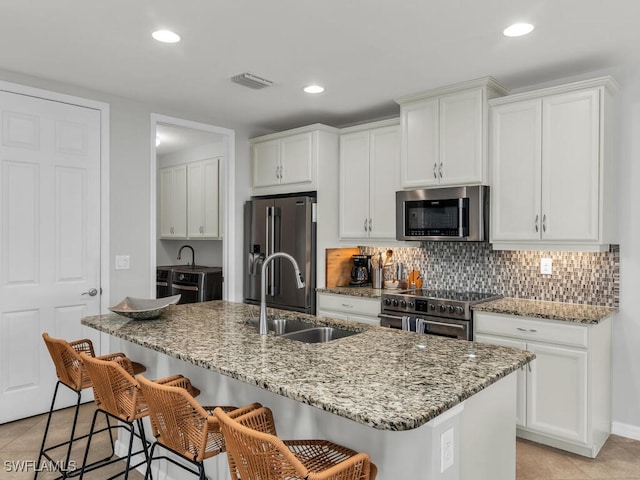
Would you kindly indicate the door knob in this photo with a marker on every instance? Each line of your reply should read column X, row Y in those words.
column 92, row 292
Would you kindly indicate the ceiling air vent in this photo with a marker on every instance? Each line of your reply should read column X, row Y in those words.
column 251, row 81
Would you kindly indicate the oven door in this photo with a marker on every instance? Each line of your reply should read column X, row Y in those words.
column 444, row 327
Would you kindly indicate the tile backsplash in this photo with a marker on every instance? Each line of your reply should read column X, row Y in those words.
column 578, row 277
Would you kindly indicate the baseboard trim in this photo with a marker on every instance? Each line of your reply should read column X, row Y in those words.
column 626, row 430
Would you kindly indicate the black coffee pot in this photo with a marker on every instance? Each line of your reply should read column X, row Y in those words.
column 361, row 271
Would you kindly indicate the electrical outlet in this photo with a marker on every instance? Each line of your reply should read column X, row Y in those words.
column 122, row 262
column 546, row 266
column 446, row 450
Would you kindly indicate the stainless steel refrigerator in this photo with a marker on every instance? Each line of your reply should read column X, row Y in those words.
column 281, row 224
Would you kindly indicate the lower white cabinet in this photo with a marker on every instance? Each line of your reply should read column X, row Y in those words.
column 564, row 394
column 346, row 307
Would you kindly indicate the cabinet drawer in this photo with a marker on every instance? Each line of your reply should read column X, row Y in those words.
column 349, row 304
column 532, row 329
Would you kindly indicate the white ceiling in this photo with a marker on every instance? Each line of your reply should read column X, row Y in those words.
column 365, row 52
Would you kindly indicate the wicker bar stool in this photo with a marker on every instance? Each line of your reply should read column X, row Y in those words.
column 255, row 451
column 118, row 396
column 72, row 374
column 182, row 426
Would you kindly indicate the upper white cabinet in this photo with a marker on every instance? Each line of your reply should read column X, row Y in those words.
column 190, row 201
column 287, row 162
column 552, row 173
column 369, row 161
column 444, row 135
column 203, row 212
column 173, row 202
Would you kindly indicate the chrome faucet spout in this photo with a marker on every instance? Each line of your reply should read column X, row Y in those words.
column 193, row 254
column 263, row 286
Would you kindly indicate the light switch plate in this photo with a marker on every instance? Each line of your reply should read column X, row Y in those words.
column 546, row 266
column 122, row 262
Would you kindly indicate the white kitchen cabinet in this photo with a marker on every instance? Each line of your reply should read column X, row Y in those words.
column 287, row 162
column 347, row 307
column 369, row 161
column 552, row 173
column 203, row 204
column 444, row 135
column 173, row 202
column 564, row 394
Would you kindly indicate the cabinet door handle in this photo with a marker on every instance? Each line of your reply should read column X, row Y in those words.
column 435, row 170
column 544, row 222
column 365, row 224
column 440, row 170
column 535, row 223
column 370, row 224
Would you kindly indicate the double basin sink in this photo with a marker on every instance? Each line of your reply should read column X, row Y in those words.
column 303, row 331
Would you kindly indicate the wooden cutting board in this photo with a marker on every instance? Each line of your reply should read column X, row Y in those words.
column 414, row 278
column 338, row 266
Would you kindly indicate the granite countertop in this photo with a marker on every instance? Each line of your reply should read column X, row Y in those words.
column 567, row 312
column 365, row 292
column 384, row 378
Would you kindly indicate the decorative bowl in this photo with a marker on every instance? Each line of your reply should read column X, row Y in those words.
column 144, row 308
column 391, row 284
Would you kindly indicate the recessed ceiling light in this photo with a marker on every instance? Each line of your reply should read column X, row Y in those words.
column 166, row 36
column 314, row 89
column 518, row 29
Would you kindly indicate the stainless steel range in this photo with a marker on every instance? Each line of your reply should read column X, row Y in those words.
column 443, row 312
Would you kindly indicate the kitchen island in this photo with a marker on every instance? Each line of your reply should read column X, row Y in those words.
column 421, row 406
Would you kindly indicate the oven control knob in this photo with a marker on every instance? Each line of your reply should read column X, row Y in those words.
column 460, row 310
column 451, row 309
column 403, row 303
column 411, row 304
column 432, row 306
column 442, row 308
column 395, row 302
column 387, row 301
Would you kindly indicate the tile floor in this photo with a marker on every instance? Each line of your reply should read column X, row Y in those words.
column 20, row 442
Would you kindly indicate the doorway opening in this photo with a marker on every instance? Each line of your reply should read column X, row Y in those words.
column 178, row 144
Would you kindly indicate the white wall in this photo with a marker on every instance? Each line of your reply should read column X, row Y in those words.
column 626, row 328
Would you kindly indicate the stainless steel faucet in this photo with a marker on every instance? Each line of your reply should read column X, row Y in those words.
column 193, row 255
column 262, row 329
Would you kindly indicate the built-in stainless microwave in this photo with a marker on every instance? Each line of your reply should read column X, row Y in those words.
column 448, row 213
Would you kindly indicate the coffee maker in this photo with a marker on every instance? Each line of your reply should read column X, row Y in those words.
column 361, row 271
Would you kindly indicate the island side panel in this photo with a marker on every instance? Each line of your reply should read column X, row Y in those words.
column 415, row 454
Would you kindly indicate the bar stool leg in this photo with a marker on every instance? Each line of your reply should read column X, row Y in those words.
column 46, row 431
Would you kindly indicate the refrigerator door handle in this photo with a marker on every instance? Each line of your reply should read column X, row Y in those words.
column 271, row 248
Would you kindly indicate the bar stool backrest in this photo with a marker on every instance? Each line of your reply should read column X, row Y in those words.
column 180, row 422
column 66, row 358
column 253, row 449
column 114, row 387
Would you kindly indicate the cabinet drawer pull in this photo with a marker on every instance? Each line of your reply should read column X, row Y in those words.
column 532, row 330
column 346, row 305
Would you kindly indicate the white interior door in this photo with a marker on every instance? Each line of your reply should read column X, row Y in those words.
column 49, row 241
